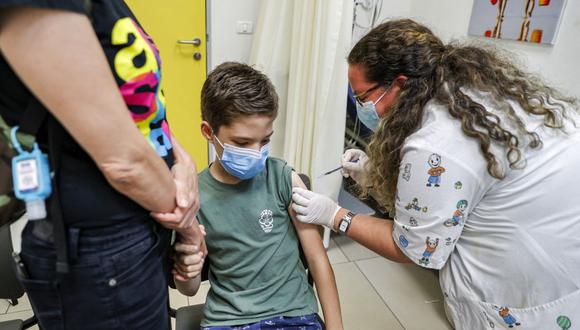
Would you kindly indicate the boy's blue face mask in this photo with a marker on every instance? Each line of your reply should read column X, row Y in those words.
column 243, row 163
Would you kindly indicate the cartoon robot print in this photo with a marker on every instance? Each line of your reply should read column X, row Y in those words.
column 458, row 215
column 435, row 170
column 414, row 205
column 507, row 317
column 431, row 246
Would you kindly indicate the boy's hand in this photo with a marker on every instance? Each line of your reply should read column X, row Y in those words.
column 189, row 260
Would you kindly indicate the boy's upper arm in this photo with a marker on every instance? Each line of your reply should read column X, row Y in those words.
column 307, row 233
column 296, row 182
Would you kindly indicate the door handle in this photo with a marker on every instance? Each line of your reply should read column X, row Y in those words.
column 195, row 42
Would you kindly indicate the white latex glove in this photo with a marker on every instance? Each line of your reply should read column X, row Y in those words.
column 311, row 207
column 353, row 165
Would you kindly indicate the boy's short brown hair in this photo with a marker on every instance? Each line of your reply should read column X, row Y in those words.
column 235, row 89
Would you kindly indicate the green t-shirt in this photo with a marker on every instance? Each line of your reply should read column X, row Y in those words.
column 255, row 270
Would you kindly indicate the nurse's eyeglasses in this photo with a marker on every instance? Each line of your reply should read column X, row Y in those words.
column 360, row 97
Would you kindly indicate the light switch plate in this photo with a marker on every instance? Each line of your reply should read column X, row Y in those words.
column 245, row 27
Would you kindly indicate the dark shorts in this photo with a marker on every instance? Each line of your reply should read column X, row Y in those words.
column 305, row 322
column 117, row 278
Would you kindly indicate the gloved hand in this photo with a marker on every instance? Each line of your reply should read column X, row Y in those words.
column 311, row 207
column 353, row 165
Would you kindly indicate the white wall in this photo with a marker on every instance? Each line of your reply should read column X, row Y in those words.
column 225, row 44
column 449, row 19
column 390, row 8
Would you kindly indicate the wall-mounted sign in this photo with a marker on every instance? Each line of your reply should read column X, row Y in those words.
column 535, row 21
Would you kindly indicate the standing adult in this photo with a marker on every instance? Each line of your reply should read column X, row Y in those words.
column 91, row 65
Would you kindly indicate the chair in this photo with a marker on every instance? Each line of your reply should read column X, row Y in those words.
column 189, row 317
column 10, row 287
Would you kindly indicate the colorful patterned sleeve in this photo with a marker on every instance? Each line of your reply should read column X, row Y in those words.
column 435, row 193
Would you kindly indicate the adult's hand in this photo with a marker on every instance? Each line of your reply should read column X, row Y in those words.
column 189, row 235
column 311, row 207
column 183, row 216
column 182, row 219
column 187, row 196
column 185, row 175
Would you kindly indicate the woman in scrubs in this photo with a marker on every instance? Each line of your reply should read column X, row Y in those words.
column 478, row 160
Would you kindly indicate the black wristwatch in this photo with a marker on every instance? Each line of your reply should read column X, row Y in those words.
column 344, row 223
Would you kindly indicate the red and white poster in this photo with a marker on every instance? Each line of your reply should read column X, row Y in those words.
column 534, row 21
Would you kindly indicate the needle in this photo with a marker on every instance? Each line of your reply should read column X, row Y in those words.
column 332, row 171
column 329, row 172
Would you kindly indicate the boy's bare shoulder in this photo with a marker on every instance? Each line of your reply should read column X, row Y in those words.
column 297, row 181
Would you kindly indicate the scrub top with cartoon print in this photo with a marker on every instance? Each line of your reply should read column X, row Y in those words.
column 508, row 250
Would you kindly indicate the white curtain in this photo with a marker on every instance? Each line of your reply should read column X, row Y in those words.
column 302, row 46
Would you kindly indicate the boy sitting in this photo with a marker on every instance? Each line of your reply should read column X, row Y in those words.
column 256, row 276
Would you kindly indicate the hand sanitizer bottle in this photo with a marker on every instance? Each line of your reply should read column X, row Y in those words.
column 31, row 178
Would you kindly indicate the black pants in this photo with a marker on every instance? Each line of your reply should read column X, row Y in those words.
column 117, row 279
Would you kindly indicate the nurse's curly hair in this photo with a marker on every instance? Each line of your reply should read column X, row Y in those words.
column 438, row 71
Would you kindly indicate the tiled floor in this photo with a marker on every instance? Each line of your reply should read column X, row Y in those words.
column 374, row 293
column 21, row 311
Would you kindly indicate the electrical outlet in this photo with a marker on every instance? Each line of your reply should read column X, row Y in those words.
column 245, row 27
